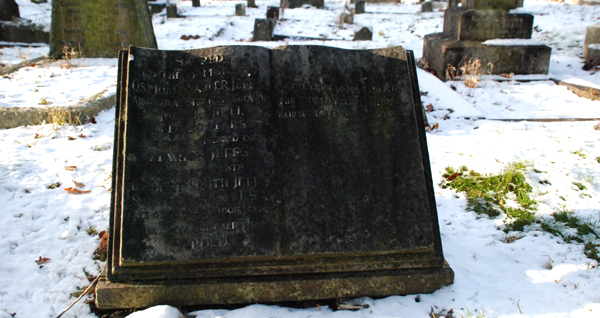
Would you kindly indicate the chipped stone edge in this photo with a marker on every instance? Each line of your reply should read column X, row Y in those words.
column 87, row 108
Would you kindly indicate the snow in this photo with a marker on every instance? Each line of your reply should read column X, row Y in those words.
column 498, row 279
column 513, row 42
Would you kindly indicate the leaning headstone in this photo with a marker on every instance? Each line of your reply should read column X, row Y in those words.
column 100, row 28
column 359, row 8
column 195, row 3
column 251, row 4
column 592, row 35
column 466, row 30
column 363, row 34
column 244, row 174
column 9, row 10
column 263, row 29
column 427, row 6
column 273, row 13
column 291, row 4
column 240, row 9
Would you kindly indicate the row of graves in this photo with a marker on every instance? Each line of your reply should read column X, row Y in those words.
column 243, row 174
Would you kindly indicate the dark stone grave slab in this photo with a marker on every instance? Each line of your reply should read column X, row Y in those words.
column 291, row 4
column 9, row 10
column 359, row 8
column 263, row 29
column 244, row 174
column 273, row 13
column 100, row 28
column 240, row 9
column 23, row 31
column 363, row 34
column 427, row 6
column 195, row 3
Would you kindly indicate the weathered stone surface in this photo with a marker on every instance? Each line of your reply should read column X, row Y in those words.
column 100, row 28
column 240, row 9
column 252, row 172
column 22, row 31
column 441, row 51
column 427, row 6
column 299, row 3
column 592, row 35
column 363, row 34
column 263, row 29
column 9, row 10
column 273, row 13
column 359, row 8
column 504, row 5
column 481, row 25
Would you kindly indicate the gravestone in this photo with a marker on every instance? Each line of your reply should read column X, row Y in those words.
column 263, row 29
column 23, row 31
column 467, row 28
column 273, row 13
column 172, row 11
column 291, row 4
column 195, row 3
column 9, row 10
column 359, row 8
column 363, row 34
column 244, row 174
column 251, row 4
column 592, row 36
column 157, row 7
column 347, row 18
column 427, row 6
column 100, row 28
column 240, row 9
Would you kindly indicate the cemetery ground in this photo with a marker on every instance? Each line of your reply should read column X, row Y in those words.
column 518, row 201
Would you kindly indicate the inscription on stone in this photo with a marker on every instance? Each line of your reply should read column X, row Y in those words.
column 246, row 161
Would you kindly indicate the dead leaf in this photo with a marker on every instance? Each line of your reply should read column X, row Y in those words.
column 76, row 191
column 72, row 138
column 42, row 260
column 36, row 136
column 429, row 108
column 92, row 120
column 453, row 176
column 507, row 75
column 82, row 136
column 70, row 168
column 78, row 184
column 102, row 249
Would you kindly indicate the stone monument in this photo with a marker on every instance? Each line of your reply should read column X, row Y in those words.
column 240, row 9
column 100, row 28
column 291, row 4
column 466, row 30
column 359, row 7
column 9, row 10
column 263, row 29
column 244, row 174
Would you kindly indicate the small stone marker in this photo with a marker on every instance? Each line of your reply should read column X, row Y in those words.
column 9, row 10
column 468, row 26
column 427, row 6
column 359, row 8
column 347, row 18
column 291, row 4
column 172, row 11
column 263, row 29
column 251, row 4
column 195, row 3
column 248, row 175
column 240, row 9
column 592, row 35
column 273, row 13
column 363, row 34
column 100, row 28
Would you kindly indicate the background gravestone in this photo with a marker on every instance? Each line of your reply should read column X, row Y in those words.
column 245, row 174
column 263, row 29
column 359, row 8
column 273, row 13
column 100, row 28
column 195, row 3
column 9, row 10
column 240, row 9
column 299, row 3
column 468, row 26
column 592, row 36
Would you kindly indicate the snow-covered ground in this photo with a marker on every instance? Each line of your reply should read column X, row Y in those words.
column 493, row 279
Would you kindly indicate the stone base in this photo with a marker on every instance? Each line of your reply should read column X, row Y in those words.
column 441, row 51
column 23, row 32
column 272, row 289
